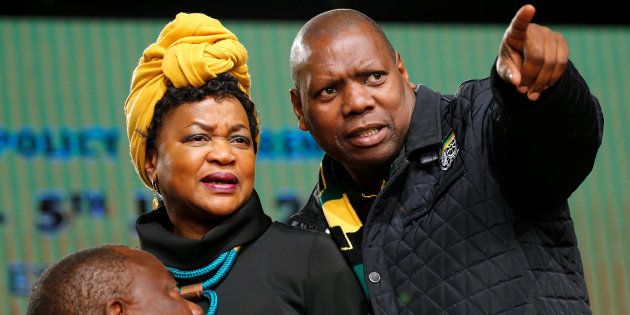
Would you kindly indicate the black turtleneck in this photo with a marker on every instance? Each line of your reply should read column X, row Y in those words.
column 279, row 270
column 241, row 228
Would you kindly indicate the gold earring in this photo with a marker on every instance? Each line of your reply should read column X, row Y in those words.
column 156, row 202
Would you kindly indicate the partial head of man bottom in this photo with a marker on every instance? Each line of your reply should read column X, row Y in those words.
column 109, row 279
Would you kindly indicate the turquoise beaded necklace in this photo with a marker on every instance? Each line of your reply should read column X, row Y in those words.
column 223, row 263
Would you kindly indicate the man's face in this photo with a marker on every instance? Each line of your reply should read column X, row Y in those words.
column 354, row 97
column 154, row 291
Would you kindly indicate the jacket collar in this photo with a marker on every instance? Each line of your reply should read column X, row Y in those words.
column 425, row 132
column 242, row 227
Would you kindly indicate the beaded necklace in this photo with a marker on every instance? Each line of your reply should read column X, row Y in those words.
column 223, row 263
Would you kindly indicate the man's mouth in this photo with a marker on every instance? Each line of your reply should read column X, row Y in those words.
column 368, row 132
column 367, row 136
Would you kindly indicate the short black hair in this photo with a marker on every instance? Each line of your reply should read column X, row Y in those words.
column 81, row 282
column 224, row 85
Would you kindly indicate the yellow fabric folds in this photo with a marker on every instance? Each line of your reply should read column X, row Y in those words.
column 190, row 50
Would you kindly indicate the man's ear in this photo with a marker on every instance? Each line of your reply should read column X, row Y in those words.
column 403, row 71
column 297, row 108
column 150, row 163
column 115, row 307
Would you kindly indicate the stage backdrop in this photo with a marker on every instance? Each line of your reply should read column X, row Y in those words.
column 67, row 182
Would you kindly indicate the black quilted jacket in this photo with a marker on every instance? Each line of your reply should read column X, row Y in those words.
column 491, row 233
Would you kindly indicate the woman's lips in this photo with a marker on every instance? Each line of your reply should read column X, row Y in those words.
column 221, row 182
column 221, row 187
column 367, row 137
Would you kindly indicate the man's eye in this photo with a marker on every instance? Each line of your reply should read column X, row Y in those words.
column 374, row 77
column 329, row 91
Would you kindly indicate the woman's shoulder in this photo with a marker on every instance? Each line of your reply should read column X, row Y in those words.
column 314, row 246
column 296, row 249
column 326, row 273
column 283, row 228
column 282, row 233
column 299, row 241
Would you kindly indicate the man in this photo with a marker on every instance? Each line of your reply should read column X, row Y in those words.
column 108, row 280
column 448, row 204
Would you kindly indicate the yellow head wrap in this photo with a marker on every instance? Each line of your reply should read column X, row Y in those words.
column 190, row 50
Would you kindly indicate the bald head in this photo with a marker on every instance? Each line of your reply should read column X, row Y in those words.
column 331, row 24
column 109, row 279
column 81, row 282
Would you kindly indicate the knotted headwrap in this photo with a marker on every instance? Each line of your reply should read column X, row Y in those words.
column 190, row 50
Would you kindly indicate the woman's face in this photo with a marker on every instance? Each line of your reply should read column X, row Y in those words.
column 204, row 160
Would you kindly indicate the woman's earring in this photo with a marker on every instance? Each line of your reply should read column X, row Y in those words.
column 156, row 202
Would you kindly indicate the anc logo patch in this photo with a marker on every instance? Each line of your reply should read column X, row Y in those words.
column 448, row 151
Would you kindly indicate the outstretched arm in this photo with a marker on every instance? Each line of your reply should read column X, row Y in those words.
column 547, row 127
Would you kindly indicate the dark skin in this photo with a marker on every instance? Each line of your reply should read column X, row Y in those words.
column 531, row 57
column 356, row 103
column 203, row 139
column 354, row 96
column 153, row 291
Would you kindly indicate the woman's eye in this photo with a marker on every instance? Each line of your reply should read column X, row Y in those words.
column 241, row 140
column 197, row 138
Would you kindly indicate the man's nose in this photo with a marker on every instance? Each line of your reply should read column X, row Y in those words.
column 356, row 100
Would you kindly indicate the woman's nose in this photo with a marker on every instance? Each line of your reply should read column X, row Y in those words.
column 221, row 152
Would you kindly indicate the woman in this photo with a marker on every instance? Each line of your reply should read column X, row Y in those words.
column 194, row 134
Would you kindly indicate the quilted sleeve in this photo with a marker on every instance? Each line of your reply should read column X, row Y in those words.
column 546, row 148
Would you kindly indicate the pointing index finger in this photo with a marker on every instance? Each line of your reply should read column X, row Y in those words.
column 520, row 22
